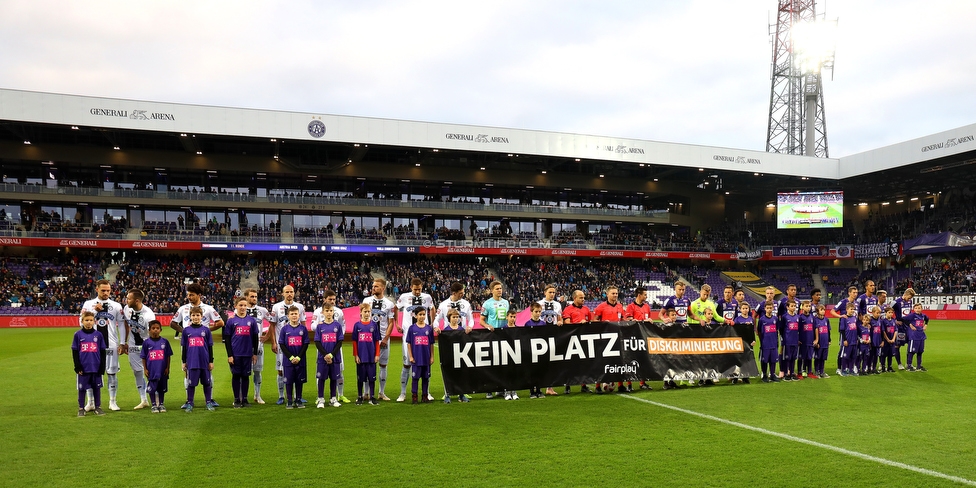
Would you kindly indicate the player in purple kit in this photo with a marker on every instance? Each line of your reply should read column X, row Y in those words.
column 535, row 320
column 293, row 344
column 867, row 299
column 156, row 354
column 877, row 339
column 840, row 311
column 727, row 307
column 917, row 323
column 890, row 329
column 864, row 345
column 453, row 318
column 679, row 302
column 745, row 326
column 821, row 343
column 241, row 340
column 903, row 307
column 328, row 340
column 849, row 339
column 366, row 337
column 789, row 327
column 197, row 344
column 768, row 330
column 420, row 339
column 88, row 348
column 808, row 337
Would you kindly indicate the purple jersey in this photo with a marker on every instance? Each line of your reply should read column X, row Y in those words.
column 155, row 353
column 841, row 307
column 328, row 335
column 807, row 330
column 849, row 330
column 421, row 342
column 365, row 339
column 680, row 305
column 727, row 309
column 902, row 308
column 863, row 334
column 243, row 332
column 768, row 332
column 782, row 306
column 822, row 326
column 535, row 323
column 865, row 302
column 293, row 340
column 90, row 346
column 790, row 329
column 877, row 335
column 890, row 328
column 918, row 321
column 197, row 344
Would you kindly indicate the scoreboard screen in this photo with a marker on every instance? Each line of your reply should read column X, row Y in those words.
column 810, row 210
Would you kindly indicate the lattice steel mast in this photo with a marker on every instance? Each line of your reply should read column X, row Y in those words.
column 797, row 123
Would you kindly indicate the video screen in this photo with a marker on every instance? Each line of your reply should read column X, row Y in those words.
column 810, row 210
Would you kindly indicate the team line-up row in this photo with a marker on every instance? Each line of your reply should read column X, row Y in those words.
column 865, row 334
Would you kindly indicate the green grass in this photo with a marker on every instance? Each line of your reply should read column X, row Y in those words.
column 922, row 419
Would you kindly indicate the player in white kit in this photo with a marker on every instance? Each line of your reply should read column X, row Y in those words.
column 383, row 312
column 108, row 318
column 408, row 304
column 137, row 316
column 260, row 314
column 279, row 314
column 552, row 314
column 211, row 319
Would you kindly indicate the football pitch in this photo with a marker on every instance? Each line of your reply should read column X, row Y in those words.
column 894, row 429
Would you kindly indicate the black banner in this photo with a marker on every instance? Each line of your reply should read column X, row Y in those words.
column 598, row 352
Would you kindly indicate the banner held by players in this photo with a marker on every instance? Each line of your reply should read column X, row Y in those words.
column 598, row 352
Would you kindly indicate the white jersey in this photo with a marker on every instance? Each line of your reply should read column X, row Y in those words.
column 464, row 310
column 279, row 316
column 318, row 317
column 210, row 315
column 108, row 320
column 408, row 303
column 382, row 312
column 552, row 312
column 260, row 314
column 138, row 321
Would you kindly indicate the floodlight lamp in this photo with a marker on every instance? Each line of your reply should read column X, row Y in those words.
column 814, row 44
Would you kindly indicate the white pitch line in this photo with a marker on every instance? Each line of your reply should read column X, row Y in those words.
column 801, row 440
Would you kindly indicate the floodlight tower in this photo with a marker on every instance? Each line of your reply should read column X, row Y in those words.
column 802, row 50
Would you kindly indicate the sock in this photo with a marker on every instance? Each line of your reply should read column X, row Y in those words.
column 372, row 389
column 90, row 399
column 359, row 386
column 140, row 384
column 191, row 392
column 207, row 388
column 235, row 385
column 426, row 386
column 81, row 398
column 298, row 390
column 320, row 384
column 113, row 387
column 97, row 397
column 383, row 378
column 765, row 367
column 288, row 389
column 413, row 386
column 160, row 396
column 245, row 385
column 281, row 386
column 257, row 384
column 404, row 377
column 898, row 355
column 341, row 381
column 919, row 356
column 334, row 387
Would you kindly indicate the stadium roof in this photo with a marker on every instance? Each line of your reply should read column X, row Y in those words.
column 882, row 172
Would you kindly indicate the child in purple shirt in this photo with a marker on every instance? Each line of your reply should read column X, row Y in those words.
column 328, row 341
column 241, row 342
column 366, row 347
column 889, row 328
column 420, row 339
column 293, row 341
column 88, row 348
column 808, row 336
column 156, row 356
column 535, row 320
column 917, row 323
column 849, row 334
column 768, row 332
column 789, row 324
column 197, row 343
column 821, row 344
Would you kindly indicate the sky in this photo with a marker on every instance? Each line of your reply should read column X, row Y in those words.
column 694, row 72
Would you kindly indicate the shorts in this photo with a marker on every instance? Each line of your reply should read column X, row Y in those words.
column 325, row 370
column 295, row 373
column 418, row 371
column 916, row 346
column 821, row 353
column 89, row 381
column 848, row 351
column 195, row 376
column 888, row 350
column 135, row 358
column 241, row 366
column 366, row 372
column 806, row 353
column 259, row 365
column 160, row 385
column 790, row 352
column 384, row 358
column 864, row 350
column 768, row 355
column 112, row 360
